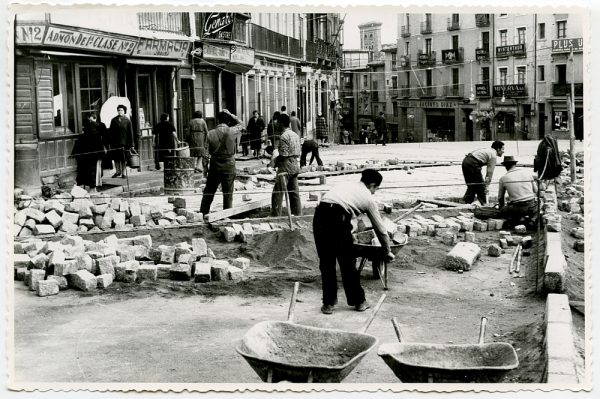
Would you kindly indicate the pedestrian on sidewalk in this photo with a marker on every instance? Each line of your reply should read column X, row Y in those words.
column 196, row 140
column 288, row 169
column 332, row 230
column 88, row 151
column 220, row 144
column 255, row 127
column 121, row 139
column 310, row 146
column 381, row 129
column 471, row 168
column 273, row 132
column 165, row 139
column 322, row 132
column 295, row 124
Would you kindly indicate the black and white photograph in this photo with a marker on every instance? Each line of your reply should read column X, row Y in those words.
column 319, row 197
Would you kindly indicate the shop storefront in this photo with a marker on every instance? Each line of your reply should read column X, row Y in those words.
column 431, row 120
column 62, row 73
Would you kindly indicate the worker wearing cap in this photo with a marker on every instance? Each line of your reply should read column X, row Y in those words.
column 521, row 188
column 333, row 237
column 471, row 168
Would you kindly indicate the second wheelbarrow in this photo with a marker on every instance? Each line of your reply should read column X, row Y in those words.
column 284, row 351
column 424, row 362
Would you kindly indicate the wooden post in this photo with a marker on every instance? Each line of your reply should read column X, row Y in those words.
column 571, row 104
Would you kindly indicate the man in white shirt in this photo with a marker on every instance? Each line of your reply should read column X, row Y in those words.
column 471, row 168
column 521, row 189
column 333, row 237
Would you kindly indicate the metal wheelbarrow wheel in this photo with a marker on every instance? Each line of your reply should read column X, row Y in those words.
column 376, row 255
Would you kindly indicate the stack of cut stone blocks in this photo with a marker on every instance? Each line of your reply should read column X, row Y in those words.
column 87, row 265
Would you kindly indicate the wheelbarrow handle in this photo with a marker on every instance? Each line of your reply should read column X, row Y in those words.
column 293, row 302
column 482, row 329
column 373, row 314
column 397, row 329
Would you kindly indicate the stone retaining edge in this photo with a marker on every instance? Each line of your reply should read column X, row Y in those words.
column 559, row 344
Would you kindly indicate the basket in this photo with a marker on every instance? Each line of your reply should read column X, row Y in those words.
column 182, row 150
column 133, row 158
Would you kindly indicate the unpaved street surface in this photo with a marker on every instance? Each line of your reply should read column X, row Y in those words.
column 186, row 332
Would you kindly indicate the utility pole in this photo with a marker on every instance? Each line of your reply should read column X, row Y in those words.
column 571, row 104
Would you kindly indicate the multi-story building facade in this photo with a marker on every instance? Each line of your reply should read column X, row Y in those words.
column 67, row 64
column 477, row 76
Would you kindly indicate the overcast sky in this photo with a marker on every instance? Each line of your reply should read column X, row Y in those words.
column 389, row 29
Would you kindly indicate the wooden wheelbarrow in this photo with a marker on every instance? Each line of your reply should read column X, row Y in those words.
column 424, row 362
column 284, row 351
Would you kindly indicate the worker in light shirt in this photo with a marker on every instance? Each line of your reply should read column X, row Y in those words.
column 332, row 230
column 521, row 188
column 471, row 167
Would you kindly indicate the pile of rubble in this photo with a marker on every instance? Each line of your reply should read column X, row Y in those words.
column 49, row 266
column 76, row 212
column 570, row 198
column 338, row 166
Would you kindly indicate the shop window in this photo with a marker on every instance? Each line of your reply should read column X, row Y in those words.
column 560, row 121
column 63, row 99
column 506, row 123
column 91, row 87
column 146, row 111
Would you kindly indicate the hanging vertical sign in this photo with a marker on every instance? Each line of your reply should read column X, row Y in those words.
column 218, row 25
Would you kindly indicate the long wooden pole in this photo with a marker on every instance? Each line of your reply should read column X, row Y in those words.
column 571, row 104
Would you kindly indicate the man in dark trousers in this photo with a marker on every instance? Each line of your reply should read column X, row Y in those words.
column 288, row 168
column 381, row 127
column 471, row 168
column 333, row 237
column 220, row 145
column 310, row 146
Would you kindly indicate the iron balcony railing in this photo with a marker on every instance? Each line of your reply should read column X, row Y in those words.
column 482, row 20
column 404, row 91
column 426, row 92
column 564, row 89
column 326, row 50
column 264, row 39
column 454, row 90
column 425, row 27
column 426, row 59
column 453, row 24
column 404, row 61
column 405, row 31
column 171, row 22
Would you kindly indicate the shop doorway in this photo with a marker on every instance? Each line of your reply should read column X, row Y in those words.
column 468, row 124
column 440, row 125
column 187, row 104
column 301, row 110
column 228, row 95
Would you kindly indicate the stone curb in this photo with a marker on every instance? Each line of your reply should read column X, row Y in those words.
column 558, row 344
column 554, row 259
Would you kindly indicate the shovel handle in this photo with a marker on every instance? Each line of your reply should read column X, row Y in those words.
column 293, row 302
column 420, row 204
column 397, row 329
column 372, row 316
column 482, row 329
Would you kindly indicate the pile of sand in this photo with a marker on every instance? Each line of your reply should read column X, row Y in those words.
column 285, row 249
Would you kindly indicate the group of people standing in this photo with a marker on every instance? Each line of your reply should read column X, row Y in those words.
column 98, row 147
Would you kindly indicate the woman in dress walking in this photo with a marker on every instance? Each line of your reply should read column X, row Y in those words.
column 196, row 140
column 89, row 151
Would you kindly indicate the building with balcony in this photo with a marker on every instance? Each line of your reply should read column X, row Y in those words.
column 68, row 64
column 489, row 76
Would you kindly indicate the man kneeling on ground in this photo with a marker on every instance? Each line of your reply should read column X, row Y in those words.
column 333, row 237
column 521, row 189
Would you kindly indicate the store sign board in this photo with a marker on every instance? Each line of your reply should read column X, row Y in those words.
column 218, row 25
column 566, row 45
column 450, row 55
column 166, row 48
column 482, row 54
column 517, row 90
column 29, row 34
column 242, row 55
column 83, row 40
column 427, row 104
column 211, row 51
column 513, row 49
column 482, row 90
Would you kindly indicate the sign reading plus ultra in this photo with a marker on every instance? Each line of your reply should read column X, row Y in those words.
column 218, row 25
column 567, row 45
